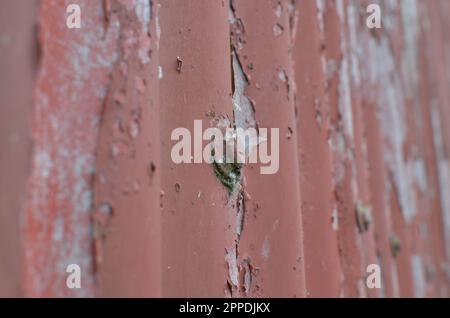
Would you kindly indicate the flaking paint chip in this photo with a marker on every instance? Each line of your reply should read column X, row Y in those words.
column 179, row 64
column 363, row 217
column 395, row 243
column 277, row 29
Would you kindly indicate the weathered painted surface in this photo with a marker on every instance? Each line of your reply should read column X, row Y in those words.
column 197, row 223
column 87, row 176
column 126, row 215
column 18, row 58
column 271, row 237
column 70, row 89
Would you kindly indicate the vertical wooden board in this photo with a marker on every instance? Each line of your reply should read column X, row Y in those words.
column 126, row 216
column 18, row 59
column 69, row 93
column 197, row 239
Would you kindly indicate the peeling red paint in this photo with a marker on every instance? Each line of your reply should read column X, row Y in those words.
column 70, row 88
column 128, row 165
column 272, row 232
column 364, row 167
column 17, row 69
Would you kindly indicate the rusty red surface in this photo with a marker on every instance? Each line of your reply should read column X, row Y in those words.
column 86, row 143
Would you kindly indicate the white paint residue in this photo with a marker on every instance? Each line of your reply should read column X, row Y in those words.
column 233, row 272
column 418, row 276
column 443, row 173
column 392, row 114
column 353, row 44
column 43, row 163
column 320, row 4
column 345, row 102
column 58, row 230
column 244, row 116
column 143, row 13
column 64, row 147
column 158, row 27
column 335, row 220
column 265, row 249
column 409, row 61
column 231, row 18
column 420, row 174
column 340, row 9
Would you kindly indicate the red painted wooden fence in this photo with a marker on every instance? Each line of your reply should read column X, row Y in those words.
column 87, row 177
